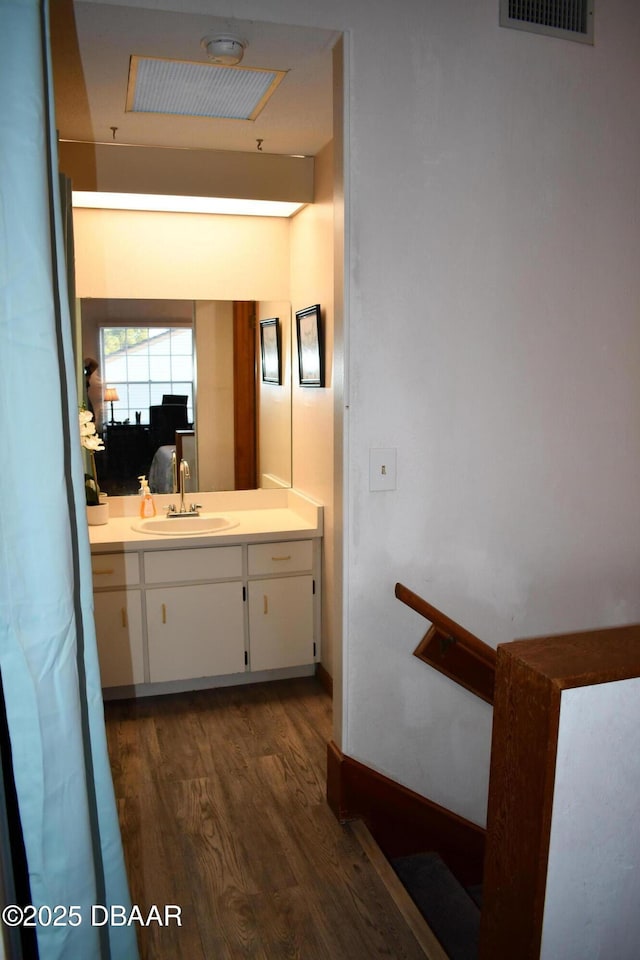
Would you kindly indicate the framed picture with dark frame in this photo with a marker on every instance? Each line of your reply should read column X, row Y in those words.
column 310, row 347
column 270, row 351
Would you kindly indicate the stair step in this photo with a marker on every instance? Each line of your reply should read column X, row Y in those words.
column 444, row 903
column 475, row 892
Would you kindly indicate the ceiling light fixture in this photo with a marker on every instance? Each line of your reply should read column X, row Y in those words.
column 225, row 48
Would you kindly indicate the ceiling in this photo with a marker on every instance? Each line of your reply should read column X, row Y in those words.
column 92, row 44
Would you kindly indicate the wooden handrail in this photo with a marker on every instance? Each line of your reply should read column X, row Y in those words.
column 451, row 649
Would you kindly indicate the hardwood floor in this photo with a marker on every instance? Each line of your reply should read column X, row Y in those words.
column 221, row 798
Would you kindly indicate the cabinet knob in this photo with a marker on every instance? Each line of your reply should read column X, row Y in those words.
column 164, row 613
column 123, row 614
column 288, row 557
column 266, row 603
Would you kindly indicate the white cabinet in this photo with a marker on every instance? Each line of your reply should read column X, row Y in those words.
column 193, row 564
column 118, row 619
column 287, row 556
column 115, row 570
column 118, row 616
column 281, row 622
column 281, row 604
column 180, row 615
column 195, row 631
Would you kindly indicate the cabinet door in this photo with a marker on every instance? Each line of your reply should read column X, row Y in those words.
column 280, row 622
column 195, row 631
column 118, row 617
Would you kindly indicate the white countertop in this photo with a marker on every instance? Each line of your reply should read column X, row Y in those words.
column 258, row 516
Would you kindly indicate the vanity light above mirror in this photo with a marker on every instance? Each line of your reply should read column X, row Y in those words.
column 231, row 206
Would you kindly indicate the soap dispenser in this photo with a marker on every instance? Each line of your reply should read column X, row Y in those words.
column 147, row 504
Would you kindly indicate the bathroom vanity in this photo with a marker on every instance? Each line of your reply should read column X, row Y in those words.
column 181, row 610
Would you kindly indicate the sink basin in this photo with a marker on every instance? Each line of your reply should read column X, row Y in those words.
column 179, row 526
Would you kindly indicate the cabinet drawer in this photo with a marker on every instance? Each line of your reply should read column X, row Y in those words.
column 286, row 557
column 115, row 570
column 204, row 563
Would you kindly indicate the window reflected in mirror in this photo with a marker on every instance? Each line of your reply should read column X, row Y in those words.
column 148, row 366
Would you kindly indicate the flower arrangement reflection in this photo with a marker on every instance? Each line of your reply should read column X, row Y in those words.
column 91, row 442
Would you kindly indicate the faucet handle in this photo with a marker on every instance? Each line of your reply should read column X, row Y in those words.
column 171, row 508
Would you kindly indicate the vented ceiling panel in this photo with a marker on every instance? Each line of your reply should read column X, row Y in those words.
column 571, row 19
column 195, row 89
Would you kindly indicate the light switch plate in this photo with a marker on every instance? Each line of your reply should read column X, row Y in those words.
column 382, row 468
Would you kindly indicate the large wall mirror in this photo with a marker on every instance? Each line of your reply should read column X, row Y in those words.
column 187, row 373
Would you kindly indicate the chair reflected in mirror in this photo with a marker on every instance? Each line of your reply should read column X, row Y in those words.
column 164, row 420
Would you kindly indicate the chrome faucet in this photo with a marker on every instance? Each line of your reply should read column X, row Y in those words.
column 174, row 472
column 194, row 509
column 185, row 474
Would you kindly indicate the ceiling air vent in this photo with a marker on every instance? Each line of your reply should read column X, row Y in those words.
column 569, row 19
column 195, row 89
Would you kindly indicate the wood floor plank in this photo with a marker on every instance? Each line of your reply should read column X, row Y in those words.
column 157, row 876
column 221, row 798
column 133, row 749
column 208, row 838
column 287, row 928
column 230, row 927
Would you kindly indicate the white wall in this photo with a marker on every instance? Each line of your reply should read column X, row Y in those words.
column 593, row 877
column 494, row 340
column 213, row 326
column 274, row 403
column 193, row 256
column 492, row 292
column 312, row 407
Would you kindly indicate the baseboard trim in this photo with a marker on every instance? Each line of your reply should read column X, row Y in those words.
column 402, row 822
column 206, row 683
column 325, row 679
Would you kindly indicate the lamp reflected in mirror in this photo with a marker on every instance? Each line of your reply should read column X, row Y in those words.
column 111, row 394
